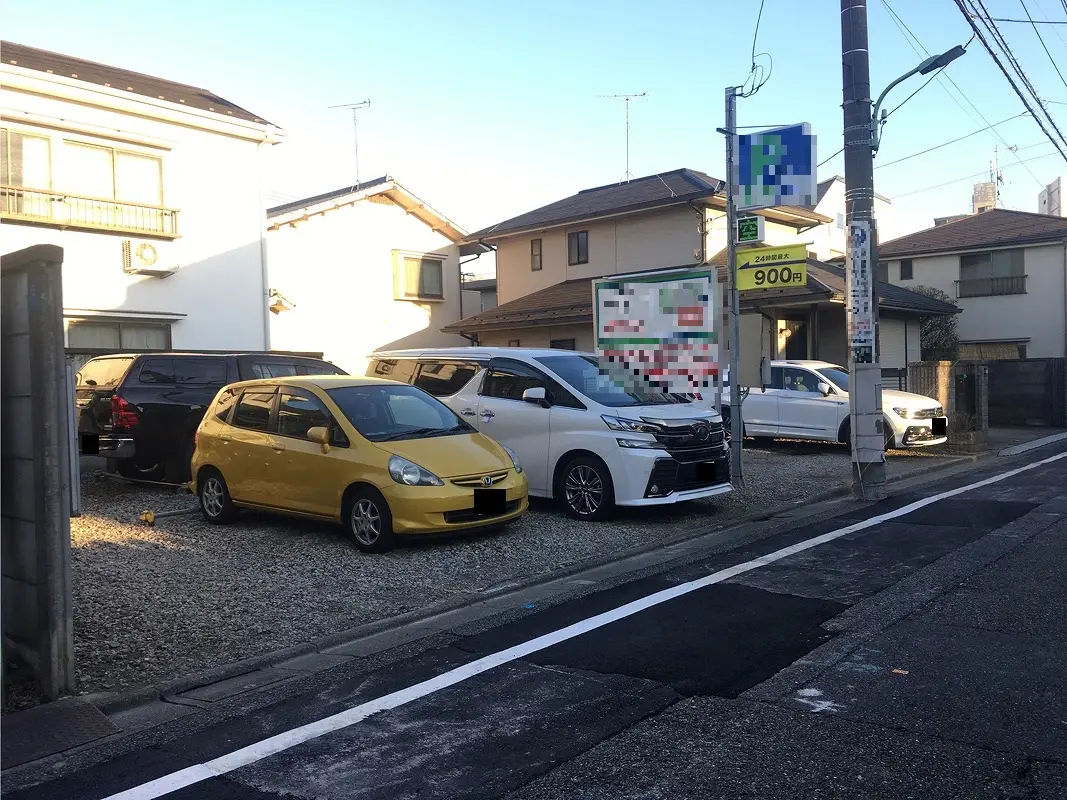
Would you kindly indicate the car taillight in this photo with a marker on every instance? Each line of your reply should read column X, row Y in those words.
column 123, row 413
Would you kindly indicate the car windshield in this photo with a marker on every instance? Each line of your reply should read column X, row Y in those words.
column 394, row 412
column 583, row 374
column 836, row 375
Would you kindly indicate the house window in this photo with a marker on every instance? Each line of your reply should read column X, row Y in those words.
column 25, row 160
column 118, row 335
column 906, row 270
column 577, row 247
column 562, row 344
column 994, row 273
column 108, row 174
column 841, row 221
column 535, row 255
column 881, row 273
column 419, row 278
column 513, row 342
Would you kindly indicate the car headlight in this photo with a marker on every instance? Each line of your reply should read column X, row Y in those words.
column 411, row 474
column 630, row 425
column 514, row 458
column 640, row 444
column 903, row 413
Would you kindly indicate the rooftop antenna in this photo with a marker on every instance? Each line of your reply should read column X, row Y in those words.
column 355, row 127
column 626, row 98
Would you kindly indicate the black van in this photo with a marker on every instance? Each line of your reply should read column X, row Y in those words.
column 141, row 410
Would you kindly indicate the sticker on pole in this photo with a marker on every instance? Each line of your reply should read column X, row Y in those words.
column 772, row 267
column 775, row 168
column 860, row 292
column 658, row 332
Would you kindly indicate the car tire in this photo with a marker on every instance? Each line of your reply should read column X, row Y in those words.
column 846, row 433
column 367, row 520
column 135, row 471
column 727, row 429
column 585, row 490
column 214, row 496
column 179, row 466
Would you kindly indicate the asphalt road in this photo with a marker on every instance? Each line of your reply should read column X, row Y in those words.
column 913, row 648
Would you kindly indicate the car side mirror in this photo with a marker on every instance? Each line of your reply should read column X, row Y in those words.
column 535, row 395
column 824, row 388
column 321, row 436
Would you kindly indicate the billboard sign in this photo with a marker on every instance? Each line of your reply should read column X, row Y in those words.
column 658, row 331
column 772, row 267
column 775, row 168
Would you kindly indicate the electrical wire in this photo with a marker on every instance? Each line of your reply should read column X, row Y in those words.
column 997, row 36
column 1030, row 21
column 831, row 158
column 1022, row 162
column 756, row 73
column 906, row 99
column 1055, row 66
column 953, row 141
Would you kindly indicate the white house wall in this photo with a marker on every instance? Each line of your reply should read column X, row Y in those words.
column 337, row 269
column 1038, row 315
column 217, row 295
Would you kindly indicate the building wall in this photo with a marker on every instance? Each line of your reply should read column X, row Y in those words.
column 629, row 244
column 217, row 296
column 1038, row 315
column 338, row 271
column 541, row 337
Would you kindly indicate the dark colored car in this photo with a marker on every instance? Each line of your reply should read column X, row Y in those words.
column 141, row 410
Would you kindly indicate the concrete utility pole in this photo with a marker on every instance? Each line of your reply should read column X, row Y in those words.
column 865, row 381
column 355, row 127
column 736, row 424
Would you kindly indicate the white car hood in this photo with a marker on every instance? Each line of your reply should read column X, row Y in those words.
column 666, row 411
column 894, row 399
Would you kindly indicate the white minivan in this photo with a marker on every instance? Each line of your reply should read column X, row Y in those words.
column 809, row 400
column 582, row 439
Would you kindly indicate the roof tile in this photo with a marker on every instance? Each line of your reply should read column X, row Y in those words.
column 998, row 227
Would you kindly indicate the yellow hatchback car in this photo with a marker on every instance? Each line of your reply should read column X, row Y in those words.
column 383, row 458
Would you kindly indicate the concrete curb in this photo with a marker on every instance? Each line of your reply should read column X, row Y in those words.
column 113, row 702
column 1025, row 447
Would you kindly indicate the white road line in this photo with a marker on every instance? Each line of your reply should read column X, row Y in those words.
column 291, row 738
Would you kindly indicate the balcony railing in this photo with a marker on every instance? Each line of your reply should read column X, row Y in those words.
column 988, row 287
column 88, row 213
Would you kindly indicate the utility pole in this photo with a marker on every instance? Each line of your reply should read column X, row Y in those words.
column 865, row 381
column 736, row 423
column 355, row 127
column 626, row 98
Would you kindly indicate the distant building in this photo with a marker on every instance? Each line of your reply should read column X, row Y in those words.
column 1050, row 201
column 984, row 197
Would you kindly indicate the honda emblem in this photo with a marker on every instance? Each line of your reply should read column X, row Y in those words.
column 488, row 480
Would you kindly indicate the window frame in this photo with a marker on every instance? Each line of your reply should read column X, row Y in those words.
column 166, row 327
column 115, row 152
column 804, row 371
column 423, row 363
column 579, row 238
column 554, row 344
column 5, row 174
column 271, row 419
column 515, row 365
column 227, row 415
column 1016, row 278
column 911, row 269
column 536, row 254
column 338, row 437
column 400, row 259
column 555, row 393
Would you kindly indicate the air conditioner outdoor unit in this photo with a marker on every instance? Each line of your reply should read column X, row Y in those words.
column 147, row 258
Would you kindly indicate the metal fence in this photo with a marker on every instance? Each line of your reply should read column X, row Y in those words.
column 57, row 208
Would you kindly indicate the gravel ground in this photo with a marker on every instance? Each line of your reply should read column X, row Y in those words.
column 152, row 604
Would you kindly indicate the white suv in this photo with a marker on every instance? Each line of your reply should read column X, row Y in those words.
column 581, row 438
column 809, row 400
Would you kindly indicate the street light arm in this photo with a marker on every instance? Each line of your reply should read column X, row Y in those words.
column 926, row 67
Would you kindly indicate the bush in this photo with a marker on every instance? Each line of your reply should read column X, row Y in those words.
column 939, row 337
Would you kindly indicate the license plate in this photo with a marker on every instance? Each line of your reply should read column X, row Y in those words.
column 705, row 472
column 90, row 444
column 939, row 426
column 490, row 501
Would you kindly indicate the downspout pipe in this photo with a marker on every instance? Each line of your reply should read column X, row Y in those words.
column 263, row 270
column 472, row 339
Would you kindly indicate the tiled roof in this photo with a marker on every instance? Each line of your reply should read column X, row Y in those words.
column 572, row 301
column 123, row 79
column 323, row 198
column 667, row 188
column 997, row 227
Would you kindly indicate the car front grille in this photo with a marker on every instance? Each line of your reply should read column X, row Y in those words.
column 479, row 480
column 470, row 515
column 697, row 435
column 670, row 475
column 929, row 413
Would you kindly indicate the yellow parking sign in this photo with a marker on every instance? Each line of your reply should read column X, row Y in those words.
column 772, row 267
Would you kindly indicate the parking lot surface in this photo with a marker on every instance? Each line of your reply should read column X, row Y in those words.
column 155, row 603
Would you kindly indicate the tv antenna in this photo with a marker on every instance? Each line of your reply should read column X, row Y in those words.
column 626, row 98
column 355, row 127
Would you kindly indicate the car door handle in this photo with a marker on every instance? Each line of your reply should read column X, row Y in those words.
column 469, row 412
column 488, row 414
column 224, row 439
column 277, row 447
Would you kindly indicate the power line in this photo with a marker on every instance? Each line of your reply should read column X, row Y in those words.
column 921, row 51
column 1030, row 21
column 1040, row 39
column 951, row 141
column 1015, row 88
column 968, row 177
column 831, row 158
column 906, row 99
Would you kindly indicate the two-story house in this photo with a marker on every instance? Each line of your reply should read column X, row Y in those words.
column 546, row 259
column 1007, row 271
column 363, row 268
column 153, row 190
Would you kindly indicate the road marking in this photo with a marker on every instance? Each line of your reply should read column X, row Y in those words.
column 304, row 733
column 1017, row 449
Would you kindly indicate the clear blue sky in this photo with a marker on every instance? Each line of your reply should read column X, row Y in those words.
column 488, row 109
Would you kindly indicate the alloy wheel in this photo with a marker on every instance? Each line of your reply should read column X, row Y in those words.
column 584, row 490
column 213, row 497
column 366, row 522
